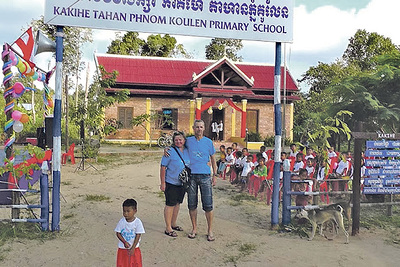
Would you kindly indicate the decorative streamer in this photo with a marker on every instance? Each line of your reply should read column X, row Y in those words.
column 9, row 100
column 10, row 141
column 8, row 124
column 48, row 102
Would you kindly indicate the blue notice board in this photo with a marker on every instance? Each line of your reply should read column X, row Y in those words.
column 384, row 176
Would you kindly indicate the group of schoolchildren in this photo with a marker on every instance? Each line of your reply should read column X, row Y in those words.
column 309, row 171
column 252, row 173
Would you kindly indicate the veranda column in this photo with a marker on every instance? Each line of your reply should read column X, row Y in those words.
column 291, row 121
column 244, row 118
column 198, row 109
column 192, row 114
column 148, row 111
column 233, row 122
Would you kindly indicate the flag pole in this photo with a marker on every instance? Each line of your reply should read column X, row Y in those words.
column 278, row 136
column 55, row 223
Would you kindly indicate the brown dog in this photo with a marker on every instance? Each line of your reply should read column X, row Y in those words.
column 346, row 206
column 318, row 217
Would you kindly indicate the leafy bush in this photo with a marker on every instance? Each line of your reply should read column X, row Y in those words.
column 254, row 137
column 269, row 141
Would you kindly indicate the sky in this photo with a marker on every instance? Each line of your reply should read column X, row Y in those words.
column 322, row 29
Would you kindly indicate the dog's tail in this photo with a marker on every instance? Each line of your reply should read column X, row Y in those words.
column 339, row 208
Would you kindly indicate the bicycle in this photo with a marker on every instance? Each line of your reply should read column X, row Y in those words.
column 164, row 140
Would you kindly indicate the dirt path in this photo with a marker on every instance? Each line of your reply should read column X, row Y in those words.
column 242, row 232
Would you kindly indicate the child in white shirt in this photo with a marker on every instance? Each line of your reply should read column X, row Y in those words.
column 129, row 231
column 248, row 167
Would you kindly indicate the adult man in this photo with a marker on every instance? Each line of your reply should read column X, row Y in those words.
column 220, row 130
column 201, row 151
column 214, row 130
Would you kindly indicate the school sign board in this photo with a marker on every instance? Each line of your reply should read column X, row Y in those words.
column 261, row 20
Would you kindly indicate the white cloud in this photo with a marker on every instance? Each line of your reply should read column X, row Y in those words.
column 381, row 16
column 322, row 29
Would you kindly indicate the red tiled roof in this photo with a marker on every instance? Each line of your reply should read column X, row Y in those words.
column 179, row 72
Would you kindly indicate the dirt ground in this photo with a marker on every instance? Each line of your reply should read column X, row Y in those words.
column 242, row 229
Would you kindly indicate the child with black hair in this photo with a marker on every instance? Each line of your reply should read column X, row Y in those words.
column 129, row 230
column 248, row 167
column 238, row 166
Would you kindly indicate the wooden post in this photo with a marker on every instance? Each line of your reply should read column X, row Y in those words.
column 356, row 182
column 66, row 114
column 389, row 207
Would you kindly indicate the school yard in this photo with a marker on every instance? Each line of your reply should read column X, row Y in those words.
column 91, row 207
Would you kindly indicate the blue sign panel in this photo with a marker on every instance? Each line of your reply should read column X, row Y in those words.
column 382, row 153
column 382, row 162
column 382, row 171
column 383, row 144
column 381, row 190
column 382, row 181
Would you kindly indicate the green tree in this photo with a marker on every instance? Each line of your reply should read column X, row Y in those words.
column 364, row 47
column 359, row 82
column 98, row 100
column 156, row 45
column 129, row 44
column 373, row 95
column 220, row 47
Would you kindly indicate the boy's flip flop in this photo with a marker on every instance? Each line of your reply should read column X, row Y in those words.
column 192, row 235
column 177, row 228
column 171, row 234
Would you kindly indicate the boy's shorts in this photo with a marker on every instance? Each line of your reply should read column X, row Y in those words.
column 174, row 194
column 126, row 260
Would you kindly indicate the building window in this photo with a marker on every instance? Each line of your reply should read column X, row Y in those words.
column 125, row 116
column 168, row 119
column 252, row 121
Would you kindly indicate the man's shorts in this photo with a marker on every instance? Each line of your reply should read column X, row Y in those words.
column 204, row 182
column 174, row 194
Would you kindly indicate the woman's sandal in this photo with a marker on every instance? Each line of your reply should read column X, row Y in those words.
column 171, row 234
column 177, row 228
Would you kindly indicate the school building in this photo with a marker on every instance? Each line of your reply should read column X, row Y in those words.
column 240, row 94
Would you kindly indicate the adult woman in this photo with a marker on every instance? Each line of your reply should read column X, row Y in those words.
column 170, row 184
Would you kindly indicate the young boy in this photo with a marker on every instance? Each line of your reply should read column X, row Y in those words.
column 221, row 162
column 248, row 167
column 129, row 230
column 303, row 200
column 310, row 167
column 299, row 163
column 238, row 167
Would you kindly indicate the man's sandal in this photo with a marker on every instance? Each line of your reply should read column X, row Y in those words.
column 171, row 234
column 210, row 238
column 192, row 235
column 177, row 228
